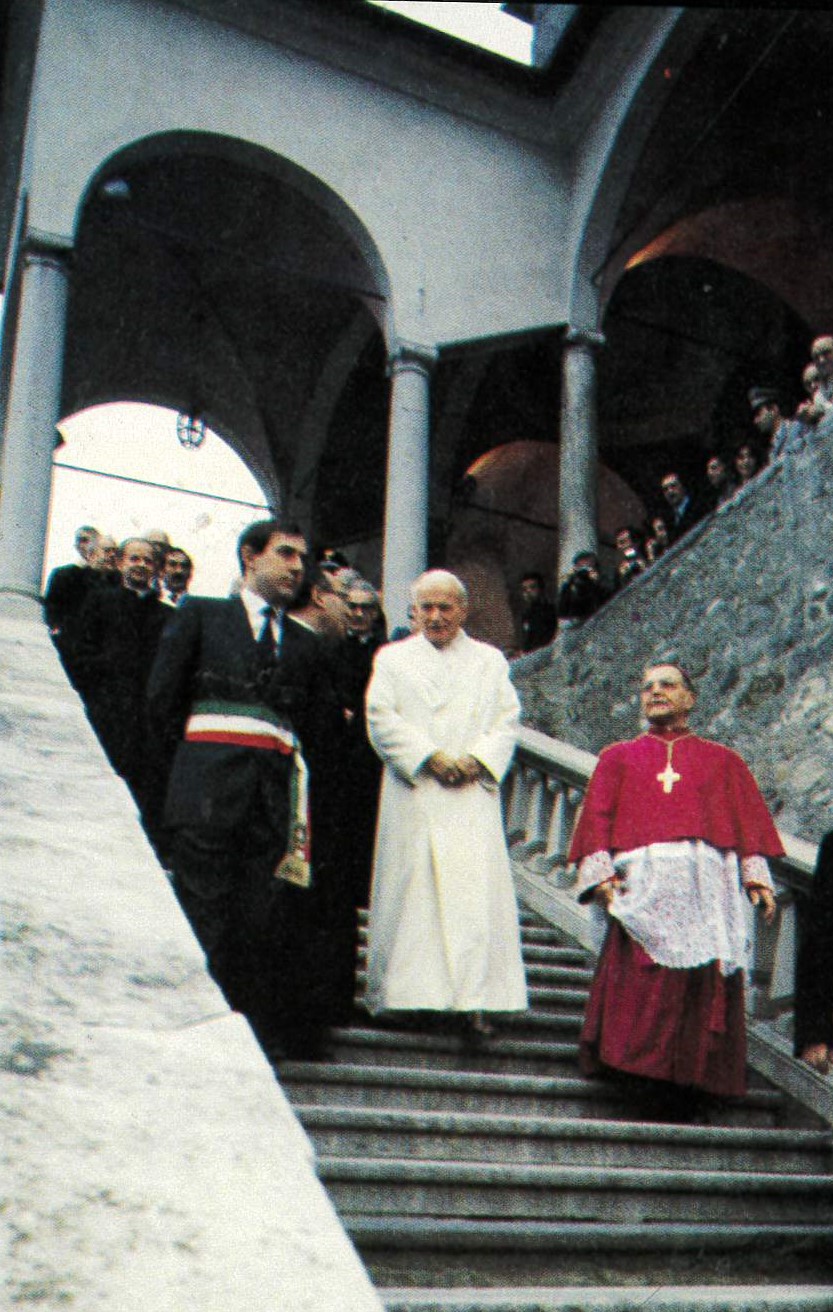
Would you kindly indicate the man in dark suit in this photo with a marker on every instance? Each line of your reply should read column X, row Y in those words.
column 539, row 617
column 118, row 633
column 684, row 512
column 813, row 1032
column 363, row 773
column 246, row 696
column 67, row 589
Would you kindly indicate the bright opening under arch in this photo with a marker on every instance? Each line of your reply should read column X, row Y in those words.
column 121, row 468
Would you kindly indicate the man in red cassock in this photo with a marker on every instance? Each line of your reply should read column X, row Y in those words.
column 672, row 837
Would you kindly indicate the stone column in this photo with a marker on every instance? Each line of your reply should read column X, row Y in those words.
column 33, row 411
column 578, row 458
column 405, row 551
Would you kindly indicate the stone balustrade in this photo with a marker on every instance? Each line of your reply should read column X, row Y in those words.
column 542, row 795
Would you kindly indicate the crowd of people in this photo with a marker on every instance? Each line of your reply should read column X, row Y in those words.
column 240, row 727
column 678, row 508
column 260, row 735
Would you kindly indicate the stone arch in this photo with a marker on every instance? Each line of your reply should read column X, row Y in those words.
column 212, row 274
column 258, row 159
column 610, row 157
column 685, row 201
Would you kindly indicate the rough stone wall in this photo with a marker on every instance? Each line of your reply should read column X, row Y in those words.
column 746, row 604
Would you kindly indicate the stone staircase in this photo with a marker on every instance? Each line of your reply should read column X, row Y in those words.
column 496, row 1177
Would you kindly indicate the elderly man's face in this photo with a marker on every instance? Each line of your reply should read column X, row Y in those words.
column 441, row 613
column 331, row 598
column 85, row 542
column 361, row 611
column 666, row 701
column 104, row 556
column 673, row 490
column 137, row 565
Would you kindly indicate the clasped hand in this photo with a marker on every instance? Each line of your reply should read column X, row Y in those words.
column 453, row 772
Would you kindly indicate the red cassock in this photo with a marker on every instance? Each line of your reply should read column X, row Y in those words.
column 681, row 1025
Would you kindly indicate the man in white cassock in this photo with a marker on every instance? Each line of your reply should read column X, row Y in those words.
column 443, row 716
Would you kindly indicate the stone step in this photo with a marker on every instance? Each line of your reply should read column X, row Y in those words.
column 526, row 918
column 338, row 1131
column 541, row 996
column 678, row 1298
column 456, row 1253
column 391, row 1047
column 542, row 952
column 547, row 974
column 366, row 1085
column 534, row 938
column 563, row 1022
column 399, row 1188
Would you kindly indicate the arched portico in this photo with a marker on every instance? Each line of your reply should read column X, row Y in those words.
column 701, row 258
column 211, row 277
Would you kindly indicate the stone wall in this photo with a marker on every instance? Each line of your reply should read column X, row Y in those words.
column 745, row 602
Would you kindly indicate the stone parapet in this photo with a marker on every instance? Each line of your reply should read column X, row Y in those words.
column 153, row 1160
column 745, row 602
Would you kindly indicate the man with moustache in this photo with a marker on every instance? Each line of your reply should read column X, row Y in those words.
column 673, row 835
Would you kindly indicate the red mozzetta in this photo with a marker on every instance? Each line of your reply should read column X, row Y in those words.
column 634, row 799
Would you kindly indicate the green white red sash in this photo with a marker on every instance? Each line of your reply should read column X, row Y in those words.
column 240, row 725
column 253, row 725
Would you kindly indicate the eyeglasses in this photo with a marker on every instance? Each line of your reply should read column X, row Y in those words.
column 361, row 605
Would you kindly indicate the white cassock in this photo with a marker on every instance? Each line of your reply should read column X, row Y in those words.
column 443, row 915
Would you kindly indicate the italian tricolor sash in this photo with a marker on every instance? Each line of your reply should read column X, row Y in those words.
column 240, row 725
column 254, row 725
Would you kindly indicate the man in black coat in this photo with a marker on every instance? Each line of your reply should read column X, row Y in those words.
column 814, row 966
column 118, row 632
column 362, row 777
column 539, row 618
column 683, row 512
column 246, row 696
column 67, row 589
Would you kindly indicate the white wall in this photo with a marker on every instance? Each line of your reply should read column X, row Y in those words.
column 469, row 220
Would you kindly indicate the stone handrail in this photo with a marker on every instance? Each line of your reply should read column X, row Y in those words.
column 543, row 792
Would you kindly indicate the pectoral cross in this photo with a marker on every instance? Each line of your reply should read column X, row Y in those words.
column 668, row 777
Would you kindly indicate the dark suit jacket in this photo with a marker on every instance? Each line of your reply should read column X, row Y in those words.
column 118, row 634
column 538, row 625
column 692, row 515
column 814, row 963
column 66, row 594
column 208, row 653
column 66, row 591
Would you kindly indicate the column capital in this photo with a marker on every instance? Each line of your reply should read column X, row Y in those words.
column 583, row 338
column 47, row 250
column 412, row 356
